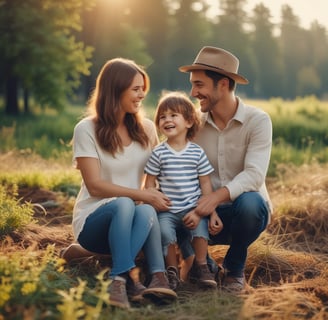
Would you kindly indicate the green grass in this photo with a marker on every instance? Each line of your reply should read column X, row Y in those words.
column 300, row 135
column 299, row 131
column 47, row 133
column 65, row 180
column 44, row 289
column 301, row 123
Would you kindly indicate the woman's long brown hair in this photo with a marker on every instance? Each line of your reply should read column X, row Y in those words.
column 104, row 105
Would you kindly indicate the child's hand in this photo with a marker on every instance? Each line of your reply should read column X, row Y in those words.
column 191, row 220
column 215, row 224
column 157, row 199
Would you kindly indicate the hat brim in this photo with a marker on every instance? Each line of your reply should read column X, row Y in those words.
column 234, row 76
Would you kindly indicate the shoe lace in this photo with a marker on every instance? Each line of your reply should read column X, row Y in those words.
column 172, row 273
column 233, row 283
column 204, row 269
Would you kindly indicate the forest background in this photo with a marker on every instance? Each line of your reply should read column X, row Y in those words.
column 53, row 50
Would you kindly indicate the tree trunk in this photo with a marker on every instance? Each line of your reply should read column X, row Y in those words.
column 12, row 95
column 26, row 106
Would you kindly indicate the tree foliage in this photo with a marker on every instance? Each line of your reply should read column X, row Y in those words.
column 45, row 46
column 266, row 55
column 189, row 32
column 231, row 35
column 39, row 51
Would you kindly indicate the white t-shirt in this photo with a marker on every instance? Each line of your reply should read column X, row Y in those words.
column 126, row 169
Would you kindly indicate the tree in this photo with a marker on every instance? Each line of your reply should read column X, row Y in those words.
column 295, row 51
column 109, row 28
column 231, row 35
column 266, row 55
column 318, row 55
column 190, row 30
column 39, row 52
column 152, row 21
column 308, row 82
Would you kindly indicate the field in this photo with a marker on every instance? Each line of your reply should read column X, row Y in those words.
column 286, row 270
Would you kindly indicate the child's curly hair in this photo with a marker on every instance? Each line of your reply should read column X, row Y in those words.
column 179, row 102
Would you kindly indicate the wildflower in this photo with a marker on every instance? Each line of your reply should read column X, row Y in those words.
column 5, row 289
column 28, row 287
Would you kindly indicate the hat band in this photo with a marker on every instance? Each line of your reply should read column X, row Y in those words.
column 207, row 65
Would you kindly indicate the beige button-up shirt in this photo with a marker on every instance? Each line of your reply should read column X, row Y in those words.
column 240, row 153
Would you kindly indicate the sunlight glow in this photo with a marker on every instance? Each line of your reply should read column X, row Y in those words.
column 307, row 11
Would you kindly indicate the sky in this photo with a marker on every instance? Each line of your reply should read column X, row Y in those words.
column 306, row 10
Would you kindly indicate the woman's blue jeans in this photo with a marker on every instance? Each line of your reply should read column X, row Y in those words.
column 243, row 221
column 122, row 228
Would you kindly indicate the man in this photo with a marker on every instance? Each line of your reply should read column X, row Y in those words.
column 237, row 139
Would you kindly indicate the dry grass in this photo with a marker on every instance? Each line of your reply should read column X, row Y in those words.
column 287, row 266
column 301, row 209
column 288, row 263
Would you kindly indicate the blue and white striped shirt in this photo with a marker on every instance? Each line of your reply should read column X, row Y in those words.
column 178, row 173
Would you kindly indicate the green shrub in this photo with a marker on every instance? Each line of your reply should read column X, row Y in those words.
column 28, row 279
column 14, row 215
column 38, row 286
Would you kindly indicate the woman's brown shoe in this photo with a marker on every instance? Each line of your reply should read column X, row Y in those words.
column 117, row 293
column 135, row 290
column 159, row 290
column 75, row 252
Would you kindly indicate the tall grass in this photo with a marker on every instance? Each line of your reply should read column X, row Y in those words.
column 301, row 123
column 299, row 131
column 47, row 133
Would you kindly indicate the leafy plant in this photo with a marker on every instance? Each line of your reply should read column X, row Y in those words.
column 14, row 215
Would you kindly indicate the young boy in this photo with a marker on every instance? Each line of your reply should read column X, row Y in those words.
column 181, row 170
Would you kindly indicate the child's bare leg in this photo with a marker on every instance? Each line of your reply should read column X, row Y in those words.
column 200, row 247
column 171, row 257
column 185, row 267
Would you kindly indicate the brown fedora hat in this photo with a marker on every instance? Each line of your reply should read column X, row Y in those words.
column 218, row 60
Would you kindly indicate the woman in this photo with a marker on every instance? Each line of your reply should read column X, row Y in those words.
column 112, row 214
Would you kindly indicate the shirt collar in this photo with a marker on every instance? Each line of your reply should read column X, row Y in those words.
column 239, row 115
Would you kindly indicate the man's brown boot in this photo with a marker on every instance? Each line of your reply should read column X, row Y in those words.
column 201, row 275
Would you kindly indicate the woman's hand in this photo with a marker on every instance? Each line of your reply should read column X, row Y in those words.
column 157, row 199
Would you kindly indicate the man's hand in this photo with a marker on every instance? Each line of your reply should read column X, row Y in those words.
column 206, row 204
column 209, row 202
